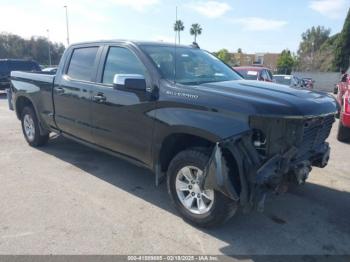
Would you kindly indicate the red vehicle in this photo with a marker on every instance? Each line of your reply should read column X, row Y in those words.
column 255, row 73
column 343, row 98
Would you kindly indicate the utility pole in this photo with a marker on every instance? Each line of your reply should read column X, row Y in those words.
column 176, row 32
column 48, row 43
column 312, row 54
column 66, row 7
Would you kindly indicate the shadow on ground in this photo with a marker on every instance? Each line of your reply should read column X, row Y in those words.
column 308, row 219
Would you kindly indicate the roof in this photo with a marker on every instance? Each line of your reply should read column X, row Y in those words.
column 253, row 68
column 131, row 42
column 16, row 60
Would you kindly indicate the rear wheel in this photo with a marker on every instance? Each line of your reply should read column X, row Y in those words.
column 343, row 133
column 30, row 127
column 204, row 208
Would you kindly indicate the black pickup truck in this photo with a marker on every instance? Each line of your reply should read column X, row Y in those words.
column 220, row 142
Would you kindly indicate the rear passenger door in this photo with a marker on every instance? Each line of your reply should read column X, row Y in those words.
column 72, row 92
column 123, row 121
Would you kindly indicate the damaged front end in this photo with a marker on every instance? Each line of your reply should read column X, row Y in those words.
column 272, row 154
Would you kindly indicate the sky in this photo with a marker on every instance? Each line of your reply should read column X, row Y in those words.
column 252, row 25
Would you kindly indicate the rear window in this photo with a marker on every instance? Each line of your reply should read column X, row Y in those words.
column 82, row 63
column 248, row 74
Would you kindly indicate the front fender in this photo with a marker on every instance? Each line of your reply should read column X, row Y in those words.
column 213, row 125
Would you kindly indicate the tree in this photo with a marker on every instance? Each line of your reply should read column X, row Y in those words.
column 324, row 57
column 285, row 62
column 225, row 56
column 342, row 46
column 312, row 40
column 178, row 27
column 195, row 30
column 36, row 48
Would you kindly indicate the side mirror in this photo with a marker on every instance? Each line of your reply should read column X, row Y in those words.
column 129, row 81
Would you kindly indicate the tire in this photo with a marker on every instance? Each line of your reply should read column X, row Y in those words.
column 343, row 133
column 218, row 211
column 30, row 128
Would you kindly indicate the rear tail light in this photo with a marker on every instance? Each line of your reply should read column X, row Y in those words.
column 347, row 104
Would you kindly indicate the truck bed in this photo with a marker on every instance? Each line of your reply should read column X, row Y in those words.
column 37, row 88
column 42, row 77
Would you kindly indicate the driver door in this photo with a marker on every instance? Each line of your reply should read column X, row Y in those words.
column 121, row 118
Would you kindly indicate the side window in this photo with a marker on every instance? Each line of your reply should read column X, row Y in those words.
column 121, row 61
column 82, row 63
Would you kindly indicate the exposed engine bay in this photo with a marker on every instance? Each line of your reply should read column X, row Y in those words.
column 266, row 159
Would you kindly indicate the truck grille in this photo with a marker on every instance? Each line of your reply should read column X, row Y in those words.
column 316, row 131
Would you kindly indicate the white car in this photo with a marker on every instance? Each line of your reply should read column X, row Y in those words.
column 288, row 80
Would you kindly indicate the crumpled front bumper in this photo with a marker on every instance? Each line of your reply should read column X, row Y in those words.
column 257, row 176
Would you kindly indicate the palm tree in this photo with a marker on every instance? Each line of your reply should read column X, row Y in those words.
column 178, row 27
column 195, row 30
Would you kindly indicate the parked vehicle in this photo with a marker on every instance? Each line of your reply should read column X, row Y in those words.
column 343, row 97
column 288, row 80
column 8, row 65
column 220, row 141
column 255, row 73
column 341, row 88
column 344, row 120
column 300, row 82
column 308, row 82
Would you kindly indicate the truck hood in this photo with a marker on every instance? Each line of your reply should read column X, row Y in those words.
column 273, row 99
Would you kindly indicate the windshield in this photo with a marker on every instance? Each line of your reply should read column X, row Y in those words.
column 284, row 80
column 193, row 66
column 248, row 74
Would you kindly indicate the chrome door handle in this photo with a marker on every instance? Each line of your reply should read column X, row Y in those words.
column 99, row 98
column 59, row 90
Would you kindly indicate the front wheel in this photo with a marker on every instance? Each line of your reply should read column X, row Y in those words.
column 30, row 128
column 204, row 208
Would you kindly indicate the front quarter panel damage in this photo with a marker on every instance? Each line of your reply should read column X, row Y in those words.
column 271, row 170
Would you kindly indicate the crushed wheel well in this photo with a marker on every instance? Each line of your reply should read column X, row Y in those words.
column 176, row 143
column 232, row 166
